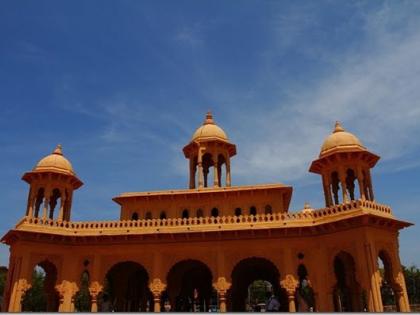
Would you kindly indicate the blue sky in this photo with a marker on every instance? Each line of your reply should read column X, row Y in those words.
column 122, row 85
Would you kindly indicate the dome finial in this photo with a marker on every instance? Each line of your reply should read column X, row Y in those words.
column 58, row 150
column 338, row 127
column 209, row 119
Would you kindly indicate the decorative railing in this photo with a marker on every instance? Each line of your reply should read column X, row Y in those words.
column 302, row 218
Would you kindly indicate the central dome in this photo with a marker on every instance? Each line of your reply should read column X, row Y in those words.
column 55, row 162
column 209, row 130
column 341, row 140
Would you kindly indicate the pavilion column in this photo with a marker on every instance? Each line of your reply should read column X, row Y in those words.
column 342, row 177
column 369, row 185
column 31, row 201
column 62, row 203
column 66, row 291
column 289, row 283
column 360, row 180
column 228, row 177
column 157, row 287
column 200, row 175
column 192, row 173
column 95, row 289
column 216, row 171
column 327, row 190
column 222, row 286
column 46, row 204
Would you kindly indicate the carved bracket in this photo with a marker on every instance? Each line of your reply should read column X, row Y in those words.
column 94, row 289
column 222, row 285
column 157, row 287
column 289, row 284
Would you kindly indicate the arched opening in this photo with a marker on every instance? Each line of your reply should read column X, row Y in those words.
column 190, row 286
column 148, row 215
column 126, row 289
column 200, row 213
column 347, row 292
column 238, row 212
column 305, row 300
column 56, row 194
column 162, row 215
column 335, row 186
column 207, row 161
column 248, row 274
column 350, row 179
column 389, row 300
column 42, row 296
column 38, row 201
column 82, row 301
column 135, row 216
column 185, row 214
column 253, row 211
column 214, row 212
column 268, row 209
column 366, row 185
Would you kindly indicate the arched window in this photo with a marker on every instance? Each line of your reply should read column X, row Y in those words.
column 82, row 301
column 148, row 215
column 200, row 213
column 268, row 209
column 38, row 201
column 53, row 202
column 185, row 214
column 214, row 212
column 162, row 215
column 238, row 212
column 135, row 216
column 305, row 300
column 253, row 211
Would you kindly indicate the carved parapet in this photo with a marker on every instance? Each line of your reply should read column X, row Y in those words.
column 289, row 283
column 222, row 285
column 157, row 287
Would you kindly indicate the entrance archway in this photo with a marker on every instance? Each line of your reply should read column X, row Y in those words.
column 190, row 286
column 388, row 292
column 246, row 273
column 127, row 288
column 42, row 296
column 347, row 292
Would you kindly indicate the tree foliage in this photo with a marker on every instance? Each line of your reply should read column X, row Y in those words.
column 412, row 281
column 35, row 299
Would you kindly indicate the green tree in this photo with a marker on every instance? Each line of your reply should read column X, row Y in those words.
column 82, row 301
column 35, row 299
column 412, row 281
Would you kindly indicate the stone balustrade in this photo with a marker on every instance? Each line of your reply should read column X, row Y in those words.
column 302, row 218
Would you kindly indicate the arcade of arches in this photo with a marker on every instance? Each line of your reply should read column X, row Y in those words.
column 213, row 246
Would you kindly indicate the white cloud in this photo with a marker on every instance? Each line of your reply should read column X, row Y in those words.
column 375, row 93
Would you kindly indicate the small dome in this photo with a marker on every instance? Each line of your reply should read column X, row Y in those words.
column 55, row 162
column 209, row 130
column 341, row 140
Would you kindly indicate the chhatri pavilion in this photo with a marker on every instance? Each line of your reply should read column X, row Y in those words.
column 202, row 248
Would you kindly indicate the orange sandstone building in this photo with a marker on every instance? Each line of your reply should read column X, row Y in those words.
column 208, row 243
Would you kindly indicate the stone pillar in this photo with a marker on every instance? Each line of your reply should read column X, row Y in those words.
column 200, row 175
column 327, row 190
column 66, row 291
column 289, row 283
column 157, row 287
column 192, row 173
column 361, row 183
column 19, row 289
column 401, row 293
column 95, row 289
column 221, row 286
column 216, row 171
column 374, row 296
column 228, row 176
column 342, row 177
column 31, row 201
column 61, row 212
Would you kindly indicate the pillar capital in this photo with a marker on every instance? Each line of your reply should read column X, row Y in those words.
column 289, row 283
column 157, row 287
column 222, row 285
column 94, row 289
column 66, row 291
